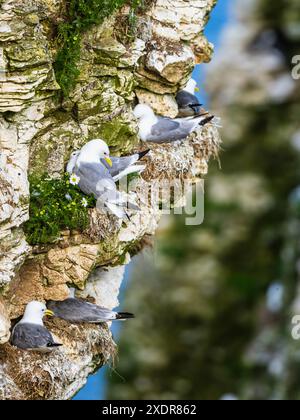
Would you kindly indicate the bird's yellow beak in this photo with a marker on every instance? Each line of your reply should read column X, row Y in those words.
column 197, row 89
column 49, row 313
column 108, row 160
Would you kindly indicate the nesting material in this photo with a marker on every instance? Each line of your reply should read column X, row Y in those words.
column 58, row 375
column 185, row 159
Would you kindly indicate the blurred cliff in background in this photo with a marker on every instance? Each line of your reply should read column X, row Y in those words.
column 215, row 304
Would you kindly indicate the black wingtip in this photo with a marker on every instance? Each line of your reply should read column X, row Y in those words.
column 206, row 120
column 195, row 105
column 144, row 153
column 127, row 216
column 52, row 345
column 125, row 315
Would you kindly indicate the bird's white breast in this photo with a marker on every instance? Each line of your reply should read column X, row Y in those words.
column 145, row 127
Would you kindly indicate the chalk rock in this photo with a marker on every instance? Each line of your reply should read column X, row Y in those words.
column 4, row 324
column 161, row 104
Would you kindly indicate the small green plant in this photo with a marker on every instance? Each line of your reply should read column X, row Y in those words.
column 82, row 15
column 135, row 5
column 55, row 205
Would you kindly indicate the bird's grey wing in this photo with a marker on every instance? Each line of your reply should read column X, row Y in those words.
column 167, row 131
column 119, row 164
column 69, row 309
column 77, row 311
column 94, row 178
column 164, row 125
column 126, row 165
column 31, row 336
column 96, row 314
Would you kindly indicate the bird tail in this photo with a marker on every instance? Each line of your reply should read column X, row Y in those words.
column 116, row 202
column 144, row 153
column 124, row 315
column 206, row 120
column 120, row 210
column 217, row 122
column 116, row 210
column 132, row 206
column 53, row 345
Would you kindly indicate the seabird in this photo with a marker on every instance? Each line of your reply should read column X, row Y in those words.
column 157, row 129
column 121, row 166
column 77, row 311
column 30, row 333
column 188, row 103
column 94, row 178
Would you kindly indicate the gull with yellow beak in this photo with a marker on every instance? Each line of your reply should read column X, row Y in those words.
column 30, row 333
column 95, row 178
column 121, row 166
column 188, row 103
column 156, row 129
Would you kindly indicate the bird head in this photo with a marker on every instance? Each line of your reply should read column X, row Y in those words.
column 35, row 312
column 97, row 149
column 75, row 154
column 142, row 110
column 72, row 161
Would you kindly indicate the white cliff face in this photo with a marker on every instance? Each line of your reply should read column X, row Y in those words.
column 26, row 81
column 185, row 18
column 104, row 286
column 4, row 324
column 39, row 130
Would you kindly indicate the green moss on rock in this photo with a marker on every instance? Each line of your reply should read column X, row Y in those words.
column 82, row 15
column 120, row 134
column 51, row 150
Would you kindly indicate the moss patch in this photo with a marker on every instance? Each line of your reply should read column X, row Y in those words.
column 55, row 205
column 81, row 16
column 119, row 135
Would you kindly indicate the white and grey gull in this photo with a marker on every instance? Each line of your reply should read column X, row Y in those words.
column 77, row 311
column 121, row 166
column 30, row 333
column 187, row 101
column 156, row 129
column 94, row 178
